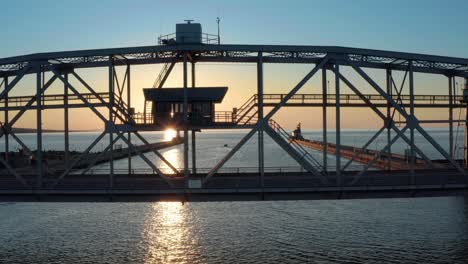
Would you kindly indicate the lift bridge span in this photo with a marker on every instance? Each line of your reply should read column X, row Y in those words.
column 312, row 179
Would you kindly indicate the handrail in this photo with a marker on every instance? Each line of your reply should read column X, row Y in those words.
column 305, row 154
column 171, row 38
column 15, row 100
column 434, row 99
column 227, row 170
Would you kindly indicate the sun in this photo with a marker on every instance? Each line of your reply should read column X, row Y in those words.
column 169, row 134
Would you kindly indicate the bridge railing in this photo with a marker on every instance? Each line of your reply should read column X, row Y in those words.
column 170, row 39
column 349, row 98
column 226, row 170
column 53, row 99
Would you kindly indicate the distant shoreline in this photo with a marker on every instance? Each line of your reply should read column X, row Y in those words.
column 20, row 130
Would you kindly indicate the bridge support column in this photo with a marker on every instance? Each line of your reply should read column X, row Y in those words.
column 194, row 145
column 389, row 120
column 465, row 146
column 193, row 74
column 338, row 126
column 451, row 81
column 109, row 126
column 65, row 120
column 129, row 103
column 261, row 146
column 324, row 119
column 194, row 153
column 186, row 146
column 39, row 165
column 411, row 121
column 7, row 137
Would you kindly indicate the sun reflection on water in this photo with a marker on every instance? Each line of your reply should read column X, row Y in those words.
column 173, row 156
column 168, row 235
column 169, row 134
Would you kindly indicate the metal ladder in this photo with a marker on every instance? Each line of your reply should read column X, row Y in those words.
column 304, row 154
column 242, row 115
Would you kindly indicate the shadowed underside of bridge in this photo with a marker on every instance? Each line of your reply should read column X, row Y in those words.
column 312, row 180
column 232, row 186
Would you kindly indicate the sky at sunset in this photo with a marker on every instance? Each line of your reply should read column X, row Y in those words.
column 430, row 27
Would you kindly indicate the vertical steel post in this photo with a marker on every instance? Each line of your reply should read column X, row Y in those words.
column 40, row 169
column 451, row 80
column 65, row 121
column 193, row 74
column 194, row 149
column 411, row 94
column 338, row 126
column 389, row 120
column 466, row 138
column 194, row 154
column 261, row 147
column 324, row 118
column 7, row 137
column 465, row 147
column 109, row 126
column 129, row 104
column 186, row 146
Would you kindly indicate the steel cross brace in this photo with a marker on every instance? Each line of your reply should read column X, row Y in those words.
column 382, row 116
column 412, row 121
column 12, row 171
column 10, row 86
column 294, row 154
column 88, row 87
column 363, row 148
column 262, row 123
column 71, row 87
column 10, row 124
column 119, row 135
column 75, row 161
column 361, row 173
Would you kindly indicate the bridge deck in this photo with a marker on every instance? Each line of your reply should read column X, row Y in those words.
column 240, row 186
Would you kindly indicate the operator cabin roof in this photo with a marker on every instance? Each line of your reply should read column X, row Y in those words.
column 198, row 94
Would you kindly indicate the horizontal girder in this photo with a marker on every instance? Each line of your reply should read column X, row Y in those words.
column 240, row 53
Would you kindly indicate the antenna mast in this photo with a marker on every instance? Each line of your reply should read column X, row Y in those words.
column 219, row 37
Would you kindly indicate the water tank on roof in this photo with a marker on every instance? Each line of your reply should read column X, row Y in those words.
column 189, row 32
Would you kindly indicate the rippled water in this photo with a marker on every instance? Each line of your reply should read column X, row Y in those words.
column 419, row 230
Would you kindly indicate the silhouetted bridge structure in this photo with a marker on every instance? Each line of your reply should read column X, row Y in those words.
column 314, row 178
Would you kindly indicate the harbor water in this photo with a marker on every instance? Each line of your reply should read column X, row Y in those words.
column 410, row 230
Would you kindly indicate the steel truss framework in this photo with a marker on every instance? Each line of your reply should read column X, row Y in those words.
column 120, row 125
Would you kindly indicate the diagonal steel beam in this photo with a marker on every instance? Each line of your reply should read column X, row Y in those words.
column 157, row 153
column 370, row 163
column 166, row 75
column 231, row 153
column 294, row 154
column 112, row 125
column 79, row 95
column 28, row 104
column 144, row 158
column 75, row 161
column 25, row 148
column 12, row 171
column 90, row 89
column 262, row 123
column 297, row 87
column 101, row 154
column 10, row 86
column 412, row 120
column 383, row 117
column 363, row 148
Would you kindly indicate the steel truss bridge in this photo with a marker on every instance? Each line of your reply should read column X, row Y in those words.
column 312, row 179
